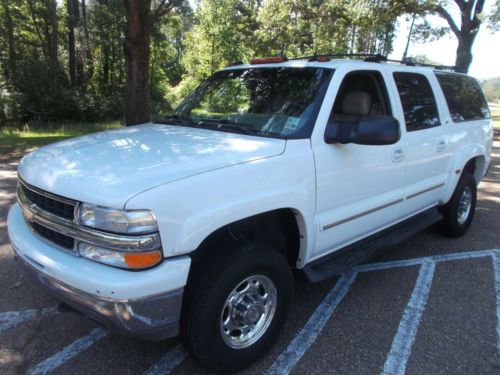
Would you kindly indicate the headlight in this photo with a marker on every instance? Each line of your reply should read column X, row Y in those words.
column 118, row 258
column 117, row 221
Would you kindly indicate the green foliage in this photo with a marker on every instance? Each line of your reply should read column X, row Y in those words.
column 225, row 31
column 423, row 59
column 491, row 89
column 494, row 17
column 187, row 45
column 222, row 33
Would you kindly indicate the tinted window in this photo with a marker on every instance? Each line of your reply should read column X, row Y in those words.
column 276, row 102
column 367, row 84
column 417, row 99
column 464, row 97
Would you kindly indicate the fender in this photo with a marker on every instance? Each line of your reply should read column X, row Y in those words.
column 461, row 157
column 190, row 209
column 200, row 226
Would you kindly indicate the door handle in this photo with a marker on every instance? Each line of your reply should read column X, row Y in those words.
column 441, row 146
column 398, row 155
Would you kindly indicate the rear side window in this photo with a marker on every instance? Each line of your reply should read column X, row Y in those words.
column 418, row 101
column 464, row 97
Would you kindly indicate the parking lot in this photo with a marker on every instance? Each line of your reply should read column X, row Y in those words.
column 430, row 305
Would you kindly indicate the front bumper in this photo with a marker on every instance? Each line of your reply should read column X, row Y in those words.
column 145, row 304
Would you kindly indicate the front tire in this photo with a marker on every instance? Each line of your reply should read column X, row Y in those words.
column 459, row 211
column 238, row 307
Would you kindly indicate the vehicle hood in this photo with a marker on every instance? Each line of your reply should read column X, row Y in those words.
column 110, row 167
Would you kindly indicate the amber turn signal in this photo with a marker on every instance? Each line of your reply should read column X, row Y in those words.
column 142, row 260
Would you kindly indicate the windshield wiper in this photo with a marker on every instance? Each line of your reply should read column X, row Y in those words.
column 184, row 120
column 228, row 124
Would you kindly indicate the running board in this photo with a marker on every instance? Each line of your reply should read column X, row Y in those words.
column 356, row 253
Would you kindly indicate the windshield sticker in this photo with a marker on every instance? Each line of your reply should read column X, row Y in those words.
column 292, row 123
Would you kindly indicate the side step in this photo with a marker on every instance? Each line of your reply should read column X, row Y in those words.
column 356, row 253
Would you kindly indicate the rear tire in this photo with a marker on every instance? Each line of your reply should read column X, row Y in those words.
column 244, row 285
column 459, row 211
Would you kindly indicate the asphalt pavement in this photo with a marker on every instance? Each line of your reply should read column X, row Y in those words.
column 430, row 305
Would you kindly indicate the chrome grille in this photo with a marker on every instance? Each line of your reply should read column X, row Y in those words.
column 47, row 202
column 49, row 216
column 57, row 238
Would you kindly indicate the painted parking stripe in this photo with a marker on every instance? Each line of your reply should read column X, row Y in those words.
column 68, row 352
column 168, row 362
column 11, row 319
column 306, row 337
column 433, row 258
column 300, row 344
column 496, row 266
column 402, row 343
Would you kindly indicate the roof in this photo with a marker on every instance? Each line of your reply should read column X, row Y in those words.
column 335, row 63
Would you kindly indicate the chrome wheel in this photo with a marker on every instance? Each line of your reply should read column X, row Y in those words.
column 248, row 311
column 464, row 205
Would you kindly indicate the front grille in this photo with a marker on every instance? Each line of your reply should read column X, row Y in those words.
column 57, row 238
column 54, row 206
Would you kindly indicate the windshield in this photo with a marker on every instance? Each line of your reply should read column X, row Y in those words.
column 276, row 102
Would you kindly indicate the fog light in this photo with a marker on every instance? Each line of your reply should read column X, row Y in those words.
column 119, row 259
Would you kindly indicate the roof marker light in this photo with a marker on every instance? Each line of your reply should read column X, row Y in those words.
column 269, row 60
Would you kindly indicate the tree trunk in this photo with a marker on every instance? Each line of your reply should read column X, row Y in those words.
column 11, row 58
column 53, row 37
column 88, row 49
column 105, row 68
column 471, row 16
column 466, row 36
column 136, row 49
column 72, row 12
column 464, row 51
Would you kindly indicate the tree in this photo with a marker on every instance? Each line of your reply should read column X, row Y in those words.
column 301, row 27
column 11, row 50
column 73, row 21
column 494, row 17
column 140, row 19
column 471, row 13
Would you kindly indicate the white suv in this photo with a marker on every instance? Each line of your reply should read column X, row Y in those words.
column 195, row 224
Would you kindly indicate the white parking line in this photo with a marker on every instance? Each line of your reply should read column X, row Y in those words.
column 168, row 362
column 306, row 337
column 68, row 352
column 419, row 261
column 496, row 267
column 287, row 360
column 395, row 363
column 11, row 319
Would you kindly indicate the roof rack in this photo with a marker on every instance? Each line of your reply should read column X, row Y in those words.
column 364, row 56
column 370, row 57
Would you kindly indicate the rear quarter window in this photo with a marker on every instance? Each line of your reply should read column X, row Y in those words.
column 419, row 105
column 464, row 97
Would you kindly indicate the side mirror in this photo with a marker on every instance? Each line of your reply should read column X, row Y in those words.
column 365, row 130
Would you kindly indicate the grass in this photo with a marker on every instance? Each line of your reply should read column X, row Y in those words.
column 495, row 114
column 20, row 140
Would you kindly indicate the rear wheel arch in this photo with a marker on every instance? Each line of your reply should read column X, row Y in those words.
column 475, row 166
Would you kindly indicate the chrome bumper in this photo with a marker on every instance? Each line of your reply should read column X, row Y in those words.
column 150, row 318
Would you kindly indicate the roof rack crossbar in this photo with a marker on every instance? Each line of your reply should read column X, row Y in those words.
column 371, row 57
